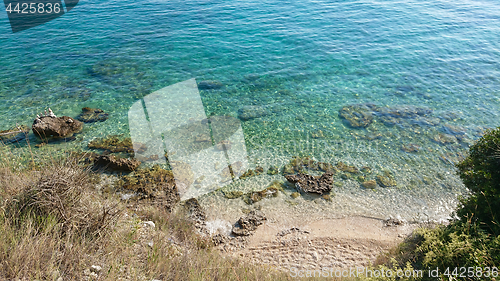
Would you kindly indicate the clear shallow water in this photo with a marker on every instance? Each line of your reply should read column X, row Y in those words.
column 303, row 61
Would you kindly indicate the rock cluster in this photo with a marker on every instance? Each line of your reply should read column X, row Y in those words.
column 312, row 184
column 248, row 224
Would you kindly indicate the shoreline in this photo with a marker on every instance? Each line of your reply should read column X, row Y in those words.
column 325, row 243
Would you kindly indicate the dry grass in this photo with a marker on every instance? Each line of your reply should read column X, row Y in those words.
column 54, row 226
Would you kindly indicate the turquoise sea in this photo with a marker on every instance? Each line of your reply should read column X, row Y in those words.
column 301, row 62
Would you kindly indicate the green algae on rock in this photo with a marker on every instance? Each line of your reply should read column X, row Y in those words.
column 154, row 183
column 346, row 168
column 250, row 173
column 273, row 170
column 387, row 180
column 300, row 164
column 272, row 191
column 112, row 163
column 233, row 194
column 116, row 143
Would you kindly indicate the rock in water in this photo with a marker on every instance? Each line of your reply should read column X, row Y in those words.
column 312, row 184
column 14, row 134
column 113, row 163
column 247, row 224
column 386, row 181
column 248, row 112
column 357, row 115
column 209, row 85
column 90, row 115
column 56, row 127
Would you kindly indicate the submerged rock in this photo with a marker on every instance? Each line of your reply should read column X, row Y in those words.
column 444, row 138
column 387, row 180
column 299, row 164
column 453, row 130
column 112, row 163
column 272, row 191
column 51, row 126
column 210, row 85
column 250, row 173
column 248, row 112
column 14, row 134
column 411, row 147
column 312, row 184
column 248, row 224
column 345, row 168
column 371, row 184
column 273, row 170
column 115, row 143
column 357, row 115
column 233, row 194
column 90, row 115
column 403, row 111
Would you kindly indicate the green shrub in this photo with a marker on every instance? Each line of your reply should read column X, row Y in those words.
column 480, row 172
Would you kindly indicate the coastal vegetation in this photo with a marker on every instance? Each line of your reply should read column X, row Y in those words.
column 468, row 248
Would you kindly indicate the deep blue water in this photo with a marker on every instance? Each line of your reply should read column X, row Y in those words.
column 303, row 60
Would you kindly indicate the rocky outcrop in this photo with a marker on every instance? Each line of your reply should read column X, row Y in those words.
column 90, row 115
column 195, row 211
column 112, row 163
column 153, row 183
column 248, row 224
column 312, row 184
column 50, row 126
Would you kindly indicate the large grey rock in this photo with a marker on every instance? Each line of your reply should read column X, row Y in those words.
column 55, row 127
